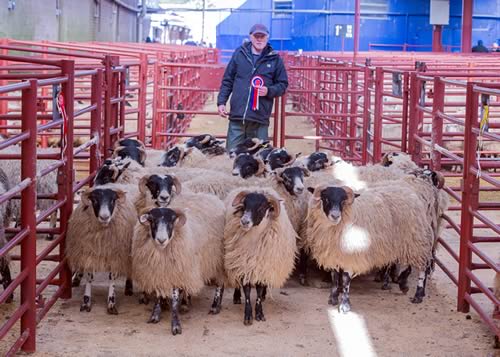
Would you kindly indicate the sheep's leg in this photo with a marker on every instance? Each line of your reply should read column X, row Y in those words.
column 303, row 267
column 264, row 293
column 111, row 295
column 259, row 311
column 336, row 286
column 164, row 303
column 421, row 284
column 379, row 275
column 403, row 280
column 237, row 296
column 345, row 304
column 129, row 287
column 248, row 307
column 77, row 278
column 185, row 302
column 87, row 296
column 176, row 325
column 394, row 273
column 217, row 303
column 53, row 224
column 6, row 279
column 386, row 279
column 156, row 313
column 144, row 299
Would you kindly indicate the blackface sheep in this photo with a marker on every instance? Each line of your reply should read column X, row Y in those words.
column 249, row 146
column 157, row 190
column 138, row 154
column 99, row 238
column 278, row 158
column 130, row 142
column 245, row 166
column 315, row 162
column 259, row 244
column 354, row 234
column 178, row 249
column 207, row 144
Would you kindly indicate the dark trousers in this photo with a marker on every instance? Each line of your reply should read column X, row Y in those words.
column 237, row 132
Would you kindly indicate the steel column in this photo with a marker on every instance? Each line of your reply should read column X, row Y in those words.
column 437, row 38
column 467, row 6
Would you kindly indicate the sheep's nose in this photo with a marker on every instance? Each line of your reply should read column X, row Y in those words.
column 245, row 221
column 299, row 189
column 104, row 217
column 163, row 198
column 236, row 172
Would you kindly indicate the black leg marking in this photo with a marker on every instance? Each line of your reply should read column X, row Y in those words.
column 175, row 302
column 386, row 279
column 259, row 311
column 336, row 286
column 394, row 273
column 144, row 299
column 217, row 303
column 156, row 313
column 403, row 280
column 421, row 284
column 129, row 287
column 87, row 297
column 345, row 304
column 112, row 296
column 303, row 258
column 264, row 293
column 237, row 296
column 77, row 278
column 185, row 302
column 248, row 320
column 6, row 279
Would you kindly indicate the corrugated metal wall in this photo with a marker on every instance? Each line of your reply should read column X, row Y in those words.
column 396, row 22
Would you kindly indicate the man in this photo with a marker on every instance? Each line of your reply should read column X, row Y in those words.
column 255, row 76
column 479, row 47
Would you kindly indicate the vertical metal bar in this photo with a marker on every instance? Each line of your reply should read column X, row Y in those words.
column 276, row 120
column 466, row 26
column 437, row 123
column 108, row 74
column 95, row 121
column 470, row 196
column 67, row 172
column 354, row 109
column 283, row 121
column 437, row 35
column 404, row 119
column 28, row 217
column 366, row 113
column 357, row 13
column 121, row 76
column 377, row 127
column 156, row 100
column 414, row 100
column 143, row 86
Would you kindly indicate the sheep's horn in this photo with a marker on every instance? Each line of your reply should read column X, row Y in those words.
column 275, row 205
column 317, row 192
column 205, row 140
column 142, row 184
column 181, row 217
column 85, row 197
column 262, row 167
column 143, row 154
column 142, row 144
column 116, row 172
column 306, row 172
column 239, row 198
column 117, row 150
column 257, row 142
column 438, row 179
column 292, row 159
column 329, row 161
column 177, row 184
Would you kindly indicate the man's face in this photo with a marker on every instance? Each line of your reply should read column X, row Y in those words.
column 259, row 41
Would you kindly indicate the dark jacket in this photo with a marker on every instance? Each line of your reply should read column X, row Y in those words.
column 480, row 48
column 237, row 78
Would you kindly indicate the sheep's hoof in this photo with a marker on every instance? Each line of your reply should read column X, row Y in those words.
column 85, row 307
column 112, row 310
column 303, row 280
column 345, row 307
column 386, row 287
column 404, row 289
column 176, row 329
column 237, row 301
column 214, row 310
column 248, row 321
column 333, row 300
column 154, row 319
column 259, row 316
column 144, row 300
column 417, row 299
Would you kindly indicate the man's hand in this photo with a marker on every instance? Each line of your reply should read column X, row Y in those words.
column 222, row 111
column 263, row 91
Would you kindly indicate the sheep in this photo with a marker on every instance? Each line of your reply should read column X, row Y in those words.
column 138, row 154
column 180, row 248
column 207, row 144
column 157, row 190
column 259, row 244
column 179, row 155
column 249, row 146
column 246, row 165
column 359, row 232
column 315, row 161
column 398, row 160
column 280, row 158
column 5, row 213
column 99, row 238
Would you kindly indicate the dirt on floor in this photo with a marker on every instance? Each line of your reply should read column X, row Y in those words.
column 299, row 322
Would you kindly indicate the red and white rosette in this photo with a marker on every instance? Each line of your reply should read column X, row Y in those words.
column 257, row 83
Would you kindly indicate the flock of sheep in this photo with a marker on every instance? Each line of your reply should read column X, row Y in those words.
column 171, row 222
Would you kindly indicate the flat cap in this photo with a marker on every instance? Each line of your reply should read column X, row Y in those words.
column 259, row 28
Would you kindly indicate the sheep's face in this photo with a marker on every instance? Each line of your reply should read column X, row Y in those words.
column 110, row 171
column 161, row 189
column 278, row 158
column 333, row 201
column 172, row 157
column 103, row 203
column 254, row 208
column 202, row 141
column 264, row 153
column 431, row 176
column 248, row 146
column 162, row 222
column 391, row 157
column 317, row 161
column 131, row 152
column 245, row 165
column 293, row 179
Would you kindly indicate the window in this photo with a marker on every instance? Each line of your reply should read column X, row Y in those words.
column 280, row 7
column 374, row 9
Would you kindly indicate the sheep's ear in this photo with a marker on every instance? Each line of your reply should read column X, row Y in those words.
column 85, row 197
column 386, row 161
column 144, row 219
column 238, row 200
column 121, row 194
column 438, row 179
column 181, row 218
column 329, row 161
column 143, row 155
column 142, row 144
column 306, row 172
column 177, row 184
column 275, row 207
column 142, row 184
column 298, row 154
column 311, row 189
column 356, row 195
column 350, row 194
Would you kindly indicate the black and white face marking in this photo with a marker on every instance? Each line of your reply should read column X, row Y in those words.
column 333, row 199
column 255, row 207
column 264, row 153
column 278, row 158
column 247, row 146
column 130, row 152
column 202, row 141
column 245, row 165
column 388, row 160
column 161, row 188
column 172, row 157
column 103, row 203
column 317, row 161
column 130, row 142
column 293, row 180
column 161, row 222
